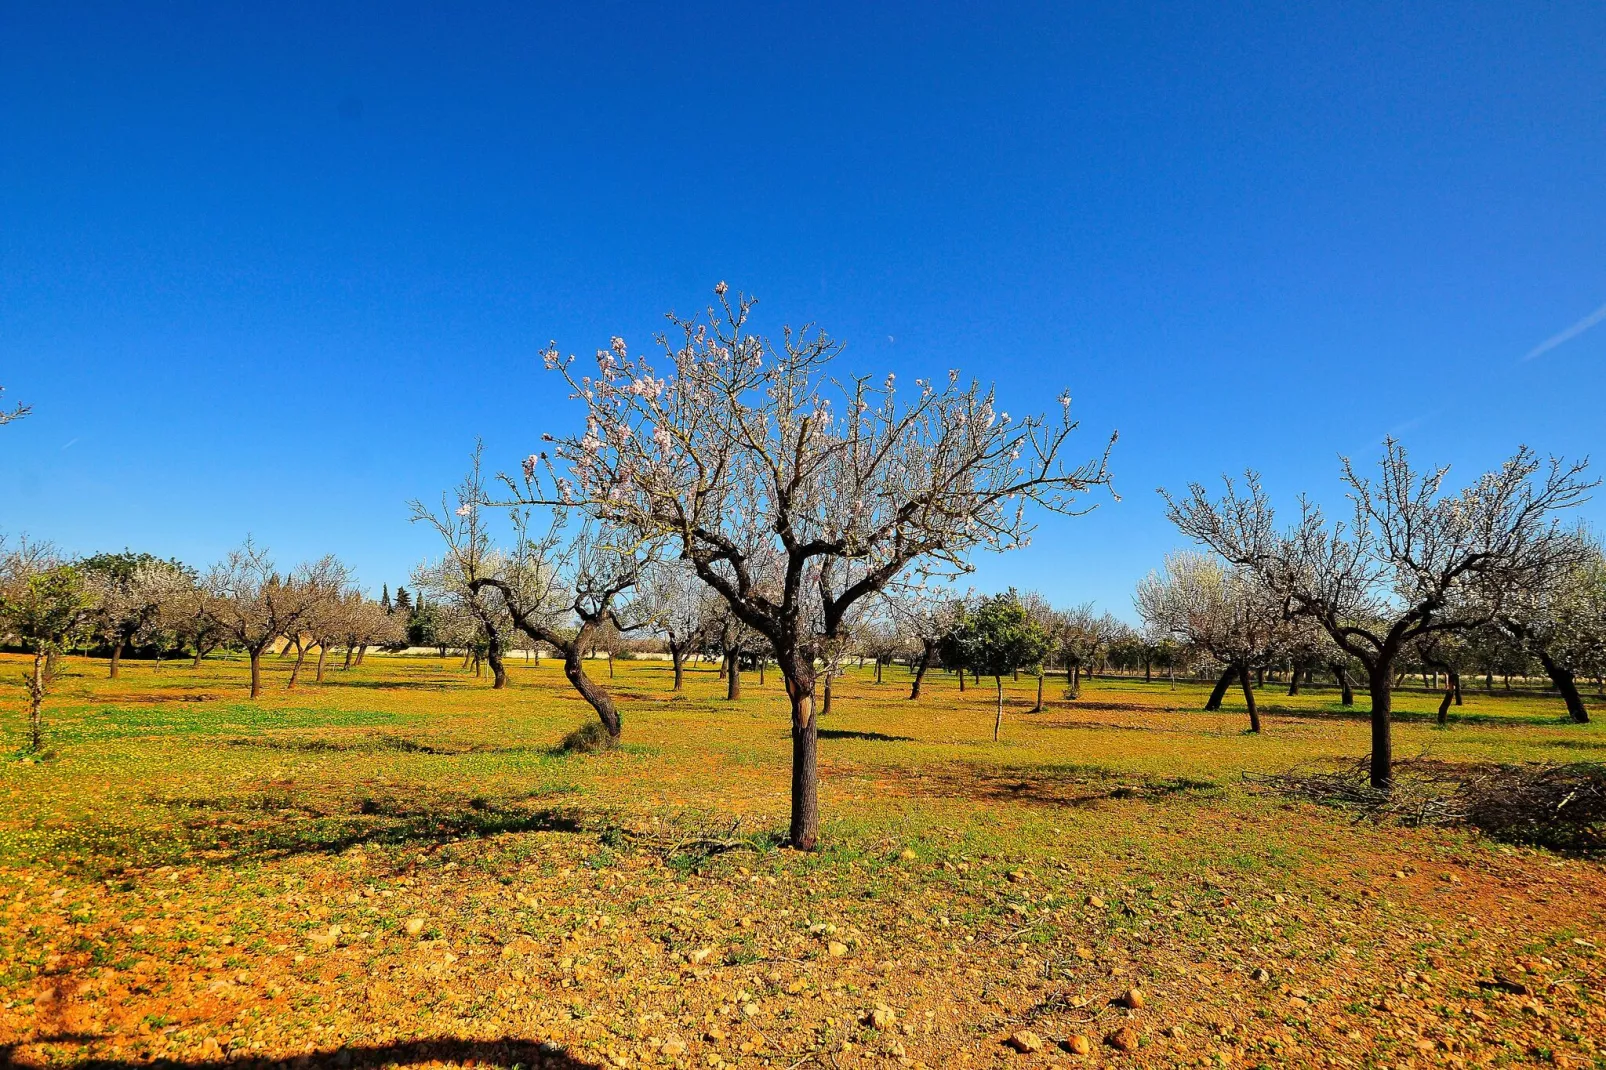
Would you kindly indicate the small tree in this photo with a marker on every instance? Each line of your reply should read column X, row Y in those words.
column 998, row 639
column 256, row 605
column 44, row 604
column 924, row 616
column 129, row 592
column 850, row 486
column 1083, row 636
column 1563, row 623
column 679, row 601
column 1411, row 560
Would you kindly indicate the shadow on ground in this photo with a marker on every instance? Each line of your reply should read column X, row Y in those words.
column 1075, row 786
column 506, row 1052
column 872, row 737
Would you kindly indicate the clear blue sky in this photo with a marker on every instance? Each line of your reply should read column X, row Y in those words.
column 272, row 268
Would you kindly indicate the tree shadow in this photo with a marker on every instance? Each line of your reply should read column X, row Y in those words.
column 371, row 744
column 1072, row 786
column 503, row 1052
column 872, row 737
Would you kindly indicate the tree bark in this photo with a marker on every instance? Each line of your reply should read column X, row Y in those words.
column 350, row 650
column 998, row 721
column 117, row 656
column 1076, row 681
column 733, row 677
column 322, row 650
column 1567, row 683
column 1219, row 692
column 198, row 656
column 677, row 657
column 1293, row 680
column 256, row 672
column 600, row 700
column 493, row 658
column 1039, row 707
column 1346, row 692
column 804, row 833
column 920, row 671
column 878, row 669
column 295, row 673
column 825, row 707
column 1380, row 683
column 36, row 701
column 1249, row 698
column 961, row 681
column 1444, row 705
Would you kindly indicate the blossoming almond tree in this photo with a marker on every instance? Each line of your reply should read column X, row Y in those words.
column 851, row 485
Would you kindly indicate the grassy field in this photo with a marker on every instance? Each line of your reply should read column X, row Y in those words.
column 396, row 868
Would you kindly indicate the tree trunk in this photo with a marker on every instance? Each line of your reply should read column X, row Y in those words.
column 295, row 673
column 1039, row 707
column 600, row 700
column 117, row 656
column 493, row 658
column 1444, row 705
column 677, row 657
column 1293, row 680
column 724, row 663
column 805, row 829
column 256, row 672
column 733, row 677
column 322, row 650
column 1346, row 692
column 1380, row 683
column 920, row 672
column 825, row 707
column 350, row 650
column 36, row 701
column 1148, row 671
column 1249, row 698
column 1076, row 681
column 961, row 681
column 1219, row 692
column 1455, row 685
column 998, row 721
column 198, row 656
column 1567, row 684
column 362, row 649
column 610, row 665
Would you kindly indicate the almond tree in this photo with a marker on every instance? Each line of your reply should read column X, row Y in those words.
column 8, row 415
column 45, row 606
column 1411, row 560
column 852, row 486
column 1082, row 637
column 679, row 600
column 1563, row 623
column 255, row 604
column 129, row 592
column 1218, row 610
column 558, row 583
column 923, row 615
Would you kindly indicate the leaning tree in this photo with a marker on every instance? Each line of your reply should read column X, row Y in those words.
column 1413, row 559
column 1563, row 623
column 851, row 485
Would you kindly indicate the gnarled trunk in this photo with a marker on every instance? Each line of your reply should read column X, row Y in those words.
column 1380, row 683
column 677, row 657
column 600, row 700
column 1566, row 682
column 926, row 650
column 493, row 658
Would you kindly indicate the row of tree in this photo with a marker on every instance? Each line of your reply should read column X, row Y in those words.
column 50, row 605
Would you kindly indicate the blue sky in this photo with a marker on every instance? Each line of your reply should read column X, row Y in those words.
column 272, row 269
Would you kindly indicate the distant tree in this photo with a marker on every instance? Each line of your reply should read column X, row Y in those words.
column 43, row 604
column 925, row 616
column 404, row 603
column 1563, row 622
column 853, row 487
column 679, row 602
column 997, row 639
column 255, row 604
column 1411, row 560
column 384, row 597
column 129, row 592
column 1219, row 610
column 1083, row 636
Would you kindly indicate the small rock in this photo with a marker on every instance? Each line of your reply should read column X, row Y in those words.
column 700, row 956
column 1017, row 875
column 1175, row 1032
column 1095, row 902
column 836, row 949
column 882, row 1018
column 414, row 926
column 1026, row 1041
column 907, row 855
column 1132, row 997
column 714, row 1035
column 1122, row 1039
column 750, row 1010
column 673, row 1047
column 1077, row 1044
column 1259, row 974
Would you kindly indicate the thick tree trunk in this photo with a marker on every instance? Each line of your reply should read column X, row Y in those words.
column 1444, row 705
column 198, row 656
column 724, row 663
column 762, row 663
column 493, row 658
column 1380, row 682
column 733, row 677
column 825, row 707
column 350, row 650
column 117, row 657
column 1567, row 683
column 961, row 681
column 998, row 721
column 1076, row 681
column 805, row 829
column 600, row 700
column 1293, row 680
column 256, row 672
column 322, row 651
column 1249, row 698
column 1148, row 671
column 677, row 657
column 1219, row 692
column 361, row 651
column 878, row 669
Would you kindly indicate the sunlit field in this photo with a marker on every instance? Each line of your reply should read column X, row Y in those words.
column 397, row 867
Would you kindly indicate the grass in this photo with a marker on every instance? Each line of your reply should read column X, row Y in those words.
column 400, row 866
